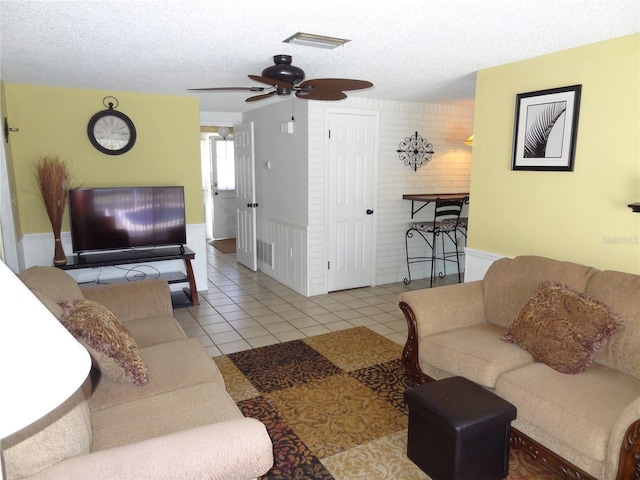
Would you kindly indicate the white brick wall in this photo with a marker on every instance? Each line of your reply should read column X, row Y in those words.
column 316, row 239
column 445, row 126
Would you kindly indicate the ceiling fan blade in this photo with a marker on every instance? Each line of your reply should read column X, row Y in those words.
column 321, row 95
column 260, row 97
column 270, row 81
column 336, row 84
column 227, row 89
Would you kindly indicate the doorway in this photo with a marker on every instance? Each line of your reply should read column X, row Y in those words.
column 351, row 197
column 218, row 175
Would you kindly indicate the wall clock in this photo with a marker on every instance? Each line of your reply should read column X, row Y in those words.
column 111, row 131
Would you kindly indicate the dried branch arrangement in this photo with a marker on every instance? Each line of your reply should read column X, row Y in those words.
column 54, row 179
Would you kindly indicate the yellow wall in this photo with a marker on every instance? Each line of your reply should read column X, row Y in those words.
column 53, row 121
column 580, row 216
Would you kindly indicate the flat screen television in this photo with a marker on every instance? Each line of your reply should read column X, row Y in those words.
column 126, row 217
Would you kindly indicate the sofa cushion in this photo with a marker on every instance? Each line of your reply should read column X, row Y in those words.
column 563, row 328
column 474, row 352
column 579, row 410
column 112, row 348
column 172, row 366
column 131, row 300
column 621, row 291
column 56, row 284
column 162, row 414
column 510, row 282
column 63, row 433
column 155, row 330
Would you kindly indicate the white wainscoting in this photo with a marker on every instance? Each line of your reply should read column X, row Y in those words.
column 288, row 246
column 477, row 263
column 37, row 249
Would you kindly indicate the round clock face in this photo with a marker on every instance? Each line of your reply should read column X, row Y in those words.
column 111, row 132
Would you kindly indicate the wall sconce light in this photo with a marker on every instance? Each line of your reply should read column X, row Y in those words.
column 415, row 151
column 635, row 207
column 469, row 141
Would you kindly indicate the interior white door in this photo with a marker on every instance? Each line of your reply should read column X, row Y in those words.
column 351, row 201
column 245, row 196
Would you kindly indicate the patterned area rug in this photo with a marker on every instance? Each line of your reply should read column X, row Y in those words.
column 334, row 408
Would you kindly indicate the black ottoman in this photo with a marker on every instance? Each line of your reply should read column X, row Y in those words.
column 458, row 430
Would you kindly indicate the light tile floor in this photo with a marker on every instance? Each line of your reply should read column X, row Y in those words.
column 244, row 309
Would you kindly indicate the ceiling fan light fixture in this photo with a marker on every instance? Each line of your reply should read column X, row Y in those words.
column 317, row 41
column 284, row 79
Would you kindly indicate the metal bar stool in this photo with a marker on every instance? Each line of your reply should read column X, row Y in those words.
column 463, row 224
column 445, row 224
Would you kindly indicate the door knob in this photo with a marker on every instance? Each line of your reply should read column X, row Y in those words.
column 369, row 212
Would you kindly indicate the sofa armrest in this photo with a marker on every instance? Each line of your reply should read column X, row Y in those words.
column 132, row 300
column 623, row 451
column 445, row 308
column 238, row 449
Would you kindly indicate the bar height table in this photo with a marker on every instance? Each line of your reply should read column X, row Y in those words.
column 426, row 198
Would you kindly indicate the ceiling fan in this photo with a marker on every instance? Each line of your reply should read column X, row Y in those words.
column 284, row 79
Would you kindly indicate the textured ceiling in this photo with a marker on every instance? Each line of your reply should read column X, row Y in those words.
column 412, row 50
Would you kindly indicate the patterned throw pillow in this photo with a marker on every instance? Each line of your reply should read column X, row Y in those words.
column 112, row 348
column 563, row 328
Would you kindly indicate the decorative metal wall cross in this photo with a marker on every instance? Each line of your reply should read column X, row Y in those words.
column 415, row 151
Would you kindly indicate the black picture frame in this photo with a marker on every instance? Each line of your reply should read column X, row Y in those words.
column 545, row 129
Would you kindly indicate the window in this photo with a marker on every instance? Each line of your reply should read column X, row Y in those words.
column 225, row 165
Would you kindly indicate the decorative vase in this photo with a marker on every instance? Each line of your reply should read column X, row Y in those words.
column 59, row 257
column 53, row 177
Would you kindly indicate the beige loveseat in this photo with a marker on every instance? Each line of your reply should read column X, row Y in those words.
column 583, row 425
column 181, row 424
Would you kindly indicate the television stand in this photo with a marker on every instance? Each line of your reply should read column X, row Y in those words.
column 185, row 298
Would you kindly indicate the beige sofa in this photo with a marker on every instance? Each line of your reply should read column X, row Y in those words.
column 583, row 425
column 181, row 424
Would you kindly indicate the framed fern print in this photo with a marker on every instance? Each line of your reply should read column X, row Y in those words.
column 546, row 127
